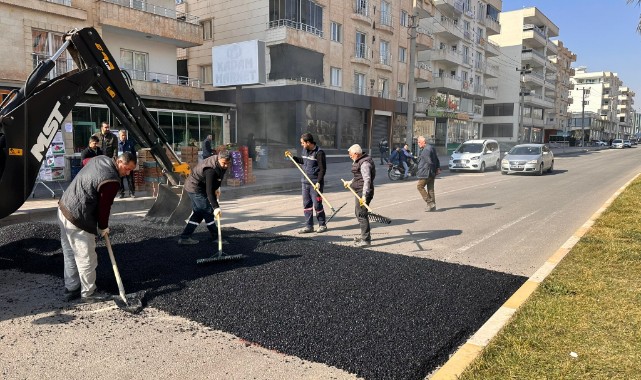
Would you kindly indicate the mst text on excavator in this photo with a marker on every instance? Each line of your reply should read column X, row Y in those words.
column 31, row 116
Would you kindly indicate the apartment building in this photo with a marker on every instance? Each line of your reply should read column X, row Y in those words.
column 564, row 71
column 625, row 110
column 525, row 100
column 142, row 36
column 336, row 69
column 450, row 107
column 595, row 105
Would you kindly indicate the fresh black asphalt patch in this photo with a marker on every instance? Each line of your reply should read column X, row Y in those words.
column 377, row 315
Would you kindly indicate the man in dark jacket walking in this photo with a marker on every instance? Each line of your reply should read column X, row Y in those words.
column 83, row 213
column 314, row 165
column 383, row 147
column 108, row 142
column 364, row 171
column 127, row 145
column 203, row 188
column 428, row 168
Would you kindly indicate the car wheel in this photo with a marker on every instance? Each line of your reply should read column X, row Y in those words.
column 551, row 169
column 482, row 168
column 540, row 172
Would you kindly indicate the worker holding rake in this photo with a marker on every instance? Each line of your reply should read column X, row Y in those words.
column 313, row 165
column 364, row 171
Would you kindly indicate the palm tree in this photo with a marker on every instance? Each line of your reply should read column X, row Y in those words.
column 638, row 3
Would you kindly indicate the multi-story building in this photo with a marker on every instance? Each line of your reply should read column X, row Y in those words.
column 624, row 111
column 451, row 105
column 337, row 69
column 143, row 38
column 595, row 98
column 564, row 71
column 526, row 89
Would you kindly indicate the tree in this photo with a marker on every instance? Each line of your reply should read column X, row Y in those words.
column 639, row 4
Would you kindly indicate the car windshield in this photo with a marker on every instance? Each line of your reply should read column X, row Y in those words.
column 469, row 148
column 525, row 151
column 617, row 141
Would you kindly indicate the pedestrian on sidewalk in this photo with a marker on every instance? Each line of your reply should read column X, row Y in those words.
column 314, row 165
column 127, row 145
column 429, row 167
column 91, row 151
column 107, row 141
column 207, row 149
column 203, row 188
column 383, row 147
column 364, row 172
column 83, row 213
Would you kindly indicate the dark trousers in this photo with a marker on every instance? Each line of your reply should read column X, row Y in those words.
column 200, row 209
column 130, row 183
column 363, row 218
column 312, row 201
column 385, row 157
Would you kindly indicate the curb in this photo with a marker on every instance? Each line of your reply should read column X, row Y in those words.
column 469, row 351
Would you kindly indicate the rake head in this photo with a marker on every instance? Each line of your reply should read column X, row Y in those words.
column 377, row 218
column 220, row 256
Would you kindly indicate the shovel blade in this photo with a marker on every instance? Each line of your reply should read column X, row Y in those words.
column 131, row 304
column 165, row 204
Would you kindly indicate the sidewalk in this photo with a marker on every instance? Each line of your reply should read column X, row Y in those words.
column 42, row 205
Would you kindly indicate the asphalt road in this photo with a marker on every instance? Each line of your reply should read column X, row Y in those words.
column 500, row 228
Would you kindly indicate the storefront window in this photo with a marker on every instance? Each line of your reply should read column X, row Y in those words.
column 180, row 131
column 193, row 130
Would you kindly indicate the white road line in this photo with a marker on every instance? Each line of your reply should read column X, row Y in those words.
column 502, row 228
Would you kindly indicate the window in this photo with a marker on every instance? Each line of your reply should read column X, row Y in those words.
column 361, row 46
column 386, row 13
column 298, row 14
column 404, row 19
column 336, row 31
column 383, row 88
column 385, row 53
column 359, row 83
column 208, row 29
column 500, row 109
column 44, row 45
column 498, row 130
column 402, row 54
column 135, row 63
column 335, row 77
column 206, row 74
column 401, row 90
column 362, row 7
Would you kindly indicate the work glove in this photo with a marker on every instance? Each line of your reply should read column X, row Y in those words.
column 362, row 201
column 288, row 154
column 103, row 233
column 347, row 184
column 317, row 186
column 217, row 212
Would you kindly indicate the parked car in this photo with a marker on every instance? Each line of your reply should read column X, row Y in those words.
column 627, row 144
column 528, row 158
column 599, row 143
column 617, row 144
column 476, row 155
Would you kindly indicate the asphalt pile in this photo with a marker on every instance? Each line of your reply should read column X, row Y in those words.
column 377, row 315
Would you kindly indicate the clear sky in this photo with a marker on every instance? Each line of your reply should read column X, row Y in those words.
column 602, row 33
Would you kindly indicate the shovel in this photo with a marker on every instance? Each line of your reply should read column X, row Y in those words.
column 334, row 211
column 220, row 255
column 128, row 302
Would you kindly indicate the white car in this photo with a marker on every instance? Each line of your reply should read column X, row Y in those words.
column 476, row 155
column 528, row 158
column 618, row 144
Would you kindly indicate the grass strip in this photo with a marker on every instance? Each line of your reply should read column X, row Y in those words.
column 590, row 305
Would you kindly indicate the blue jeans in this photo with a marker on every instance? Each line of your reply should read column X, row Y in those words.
column 407, row 169
column 312, row 199
column 200, row 209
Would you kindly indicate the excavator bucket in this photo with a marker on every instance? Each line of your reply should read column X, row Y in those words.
column 170, row 207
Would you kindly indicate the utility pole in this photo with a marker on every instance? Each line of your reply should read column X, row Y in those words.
column 411, row 83
column 583, row 115
column 522, row 90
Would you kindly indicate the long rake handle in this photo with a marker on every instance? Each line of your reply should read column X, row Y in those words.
column 346, row 184
column 220, row 238
column 121, row 288
column 308, row 179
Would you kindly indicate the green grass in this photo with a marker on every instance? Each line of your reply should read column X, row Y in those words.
column 590, row 304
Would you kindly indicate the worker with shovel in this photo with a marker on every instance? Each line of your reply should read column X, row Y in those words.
column 203, row 188
column 83, row 213
column 313, row 167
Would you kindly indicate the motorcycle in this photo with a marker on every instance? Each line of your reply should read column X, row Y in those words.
column 397, row 172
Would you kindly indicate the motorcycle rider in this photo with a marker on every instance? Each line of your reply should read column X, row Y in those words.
column 406, row 160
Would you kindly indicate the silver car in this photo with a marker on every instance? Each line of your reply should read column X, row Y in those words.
column 528, row 158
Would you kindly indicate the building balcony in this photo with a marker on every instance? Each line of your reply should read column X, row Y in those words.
column 533, row 36
column 448, row 29
column 421, row 104
column 490, row 92
column 424, row 39
column 294, row 33
column 492, row 26
column 552, row 49
column 535, row 78
column 384, row 62
column 446, row 55
column 362, row 12
column 447, row 82
column 492, row 71
column 362, row 54
column 450, row 7
column 491, row 49
column 572, row 72
column 539, row 100
column 533, row 57
column 425, row 9
column 167, row 25
column 423, row 72
column 528, row 121
column 550, row 68
column 385, row 22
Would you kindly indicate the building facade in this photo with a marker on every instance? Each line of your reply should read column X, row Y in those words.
column 142, row 37
column 625, row 111
column 525, row 101
column 564, row 71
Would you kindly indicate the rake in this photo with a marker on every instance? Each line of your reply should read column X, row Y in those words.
column 334, row 211
column 371, row 215
column 220, row 255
